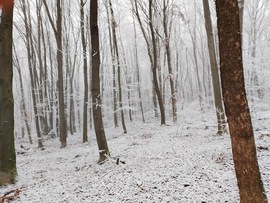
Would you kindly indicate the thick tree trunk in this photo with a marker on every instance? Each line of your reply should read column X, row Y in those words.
column 7, row 149
column 96, row 100
column 214, row 70
column 250, row 185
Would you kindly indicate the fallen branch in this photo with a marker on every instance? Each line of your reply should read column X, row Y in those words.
column 10, row 195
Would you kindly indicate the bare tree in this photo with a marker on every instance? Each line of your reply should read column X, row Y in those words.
column 115, row 118
column 96, row 99
column 58, row 36
column 214, row 70
column 32, row 67
column 154, row 62
column 71, row 47
column 152, row 49
column 116, row 55
column 166, row 29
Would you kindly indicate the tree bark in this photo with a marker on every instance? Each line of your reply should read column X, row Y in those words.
column 7, row 148
column 249, row 181
column 96, row 99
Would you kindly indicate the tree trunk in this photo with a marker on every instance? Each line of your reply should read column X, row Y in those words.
column 129, row 99
column 115, row 118
column 250, row 185
column 96, row 100
column 214, row 70
column 42, row 90
column 62, row 118
column 169, row 60
column 46, row 70
column 85, row 103
column 138, row 70
column 57, row 30
column 152, row 53
column 33, row 76
column 24, row 112
column 72, row 117
column 116, row 54
column 154, row 64
column 7, row 148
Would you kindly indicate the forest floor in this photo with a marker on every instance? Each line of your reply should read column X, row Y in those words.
column 181, row 163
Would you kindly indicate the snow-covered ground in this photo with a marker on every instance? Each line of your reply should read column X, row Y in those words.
column 179, row 163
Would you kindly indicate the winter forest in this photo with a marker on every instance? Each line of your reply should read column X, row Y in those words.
column 134, row 101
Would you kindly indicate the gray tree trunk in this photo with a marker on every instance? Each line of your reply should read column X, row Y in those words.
column 214, row 70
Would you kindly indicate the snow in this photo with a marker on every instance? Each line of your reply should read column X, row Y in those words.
column 184, row 162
